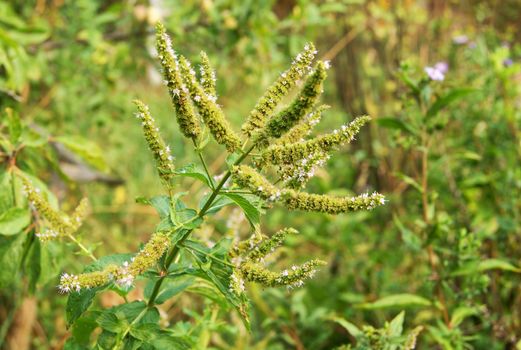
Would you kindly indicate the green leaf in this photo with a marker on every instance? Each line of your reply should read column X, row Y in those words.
column 396, row 300
column 33, row 265
column 31, row 138
column 145, row 331
column 6, row 192
column 485, row 265
column 14, row 221
column 11, row 250
column 193, row 171
column 461, row 313
column 409, row 238
column 110, row 322
column 181, row 216
column 219, row 202
column 349, row 327
column 410, row 181
column 172, row 290
column 162, row 205
column 214, row 266
column 450, row 97
column 397, row 124
column 14, row 124
column 396, row 325
column 167, row 340
column 78, row 303
column 85, row 149
column 250, row 205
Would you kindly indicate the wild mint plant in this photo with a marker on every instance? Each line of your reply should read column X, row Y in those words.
column 174, row 258
column 465, row 251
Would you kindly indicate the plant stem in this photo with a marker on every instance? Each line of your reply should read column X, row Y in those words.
column 175, row 250
column 82, row 247
column 200, row 154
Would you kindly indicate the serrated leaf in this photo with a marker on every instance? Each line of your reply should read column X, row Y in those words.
column 13, row 221
column 249, row 207
column 193, row 171
column 162, row 205
column 110, row 322
column 172, row 290
column 397, row 300
column 145, row 331
column 218, row 271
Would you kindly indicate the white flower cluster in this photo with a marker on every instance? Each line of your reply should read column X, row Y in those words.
column 236, row 284
column 375, row 199
column 69, row 283
column 174, row 91
column 125, row 278
column 296, row 175
column 48, row 235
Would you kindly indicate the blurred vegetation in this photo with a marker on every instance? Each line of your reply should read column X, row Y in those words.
column 447, row 154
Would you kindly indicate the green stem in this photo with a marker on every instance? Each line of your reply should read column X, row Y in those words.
column 82, row 247
column 200, row 154
column 207, row 254
column 175, row 250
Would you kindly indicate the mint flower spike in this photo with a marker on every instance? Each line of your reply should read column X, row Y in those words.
column 293, row 277
column 75, row 283
column 291, row 153
column 35, row 198
column 330, row 204
column 160, row 150
column 207, row 75
column 60, row 224
column 122, row 275
column 209, row 110
column 185, row 113
column 247, row 177
column 144, row 260
column 299, row 108
column 303, row 128
column 296, row 175
column 279, row 89
column 79, row 214
column 267, row 246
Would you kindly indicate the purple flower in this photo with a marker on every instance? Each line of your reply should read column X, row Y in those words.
column 437, row 72
column 507, row 62
column 460, row 39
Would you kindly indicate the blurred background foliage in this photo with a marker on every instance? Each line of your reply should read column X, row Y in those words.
column 447, row 154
